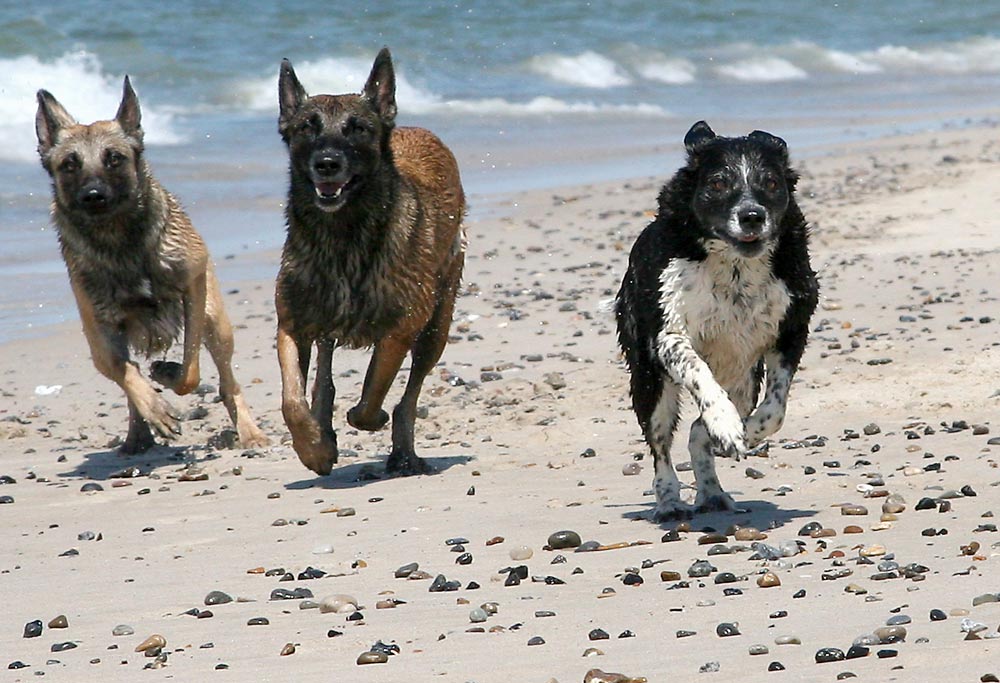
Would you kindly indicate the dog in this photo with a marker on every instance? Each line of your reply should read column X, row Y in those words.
column 718, row 288
column 138, row 270
column 373, row 258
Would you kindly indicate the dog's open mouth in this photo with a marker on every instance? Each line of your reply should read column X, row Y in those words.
column 331, row 193
column 745, row 238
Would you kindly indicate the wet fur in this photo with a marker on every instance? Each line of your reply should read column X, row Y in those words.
column 718, row 289
column 140, row 273
column 373, row 258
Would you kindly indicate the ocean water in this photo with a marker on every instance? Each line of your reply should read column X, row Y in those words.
column 528, row 94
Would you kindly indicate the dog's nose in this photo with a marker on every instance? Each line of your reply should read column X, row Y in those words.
column 752, row 218
column 329, row 164
column 93, row 198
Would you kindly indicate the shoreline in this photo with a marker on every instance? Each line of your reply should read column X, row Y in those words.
column 898, row 394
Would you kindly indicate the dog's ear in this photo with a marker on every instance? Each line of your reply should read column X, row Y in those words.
column 49, row 120
column 129, row 117
column 770, row 140
column 380, row 89
column 699, row 134
column 291, row 95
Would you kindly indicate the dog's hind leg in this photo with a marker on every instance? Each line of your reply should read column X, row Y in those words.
column 427, row 350
column 218, row 339
column 140, row 437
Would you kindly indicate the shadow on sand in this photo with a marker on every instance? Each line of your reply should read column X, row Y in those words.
column 760, row 514
column 364, row 473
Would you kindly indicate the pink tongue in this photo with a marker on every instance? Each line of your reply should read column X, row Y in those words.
column 329, row 189
column 749, row 238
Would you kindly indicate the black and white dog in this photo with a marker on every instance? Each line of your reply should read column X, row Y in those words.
column 718, row 288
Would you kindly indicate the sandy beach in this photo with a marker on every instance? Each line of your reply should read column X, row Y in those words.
column 529, row 426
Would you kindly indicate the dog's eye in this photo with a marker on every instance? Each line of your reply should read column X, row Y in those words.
column 718, row 184
column 770, row 184
column 114, row 159
column 311, row 124
column 70, row 164
column 356, row 128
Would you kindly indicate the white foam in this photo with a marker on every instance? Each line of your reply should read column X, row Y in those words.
column 669, row 71
column 348, row 75
column 762, row 70
column 78, row 82
column 977, row 55
column 587, row 69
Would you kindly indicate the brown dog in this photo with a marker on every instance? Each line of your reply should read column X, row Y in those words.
column 373, row 257
column 137, row 267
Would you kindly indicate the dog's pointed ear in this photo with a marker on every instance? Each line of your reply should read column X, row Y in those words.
column 380, row 89
column 291, row 95
column 770, row 140
column 50, row 118
column 699, row 134
column 129, row 116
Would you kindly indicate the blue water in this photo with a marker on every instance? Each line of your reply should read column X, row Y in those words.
column 527, row 93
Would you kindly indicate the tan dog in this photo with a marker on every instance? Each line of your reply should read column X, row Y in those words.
column 373, row 257
column 138, row 269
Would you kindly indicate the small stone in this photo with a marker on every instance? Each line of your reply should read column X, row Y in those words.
column 890, row 634
column 630, row 469
column 258, row 621
column 775, row 666
column 520, row 553
column 758, row 650
column 564, row 539
column 709, row 668
column 91, row 487
column 59, row 622
column 536, row 640
column 829, row 654
column 478, row 615
column 62, row 647
column 854, row 510
column 749, row 533
column 857, row 651
column 667, row 575
column 33, row 629
column 938, row 615
column 985, row 598
column 712, row 537
column 405, row 571
column 925, row 504
column 217, row 598
column 338, row 604
column 725, row 630
column 598, row 634
column 700, row 569
column 288, row 649
column 122, row 630
column 153, row 642
column 787, row 640
column 768, row 580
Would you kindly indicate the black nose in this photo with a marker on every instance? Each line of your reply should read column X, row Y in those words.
column 752, row 218
column 93, row 198
column 329, row 164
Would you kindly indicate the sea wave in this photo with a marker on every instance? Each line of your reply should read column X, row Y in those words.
column 339, row 75
column 80, row 84
column 587, row 69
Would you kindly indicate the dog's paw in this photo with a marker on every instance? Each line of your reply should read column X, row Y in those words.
column 765, row 420
column 160, row 415
column 725, row 428
column 373, row 424
column 254, row 438
column 319, row 455
column 718, row 501
column 672, row 511
column 404, row 463
column 139, row 439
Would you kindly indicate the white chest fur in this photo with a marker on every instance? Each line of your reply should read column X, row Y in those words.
column 729, row 308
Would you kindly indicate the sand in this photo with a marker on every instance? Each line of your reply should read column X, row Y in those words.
column 529, row 426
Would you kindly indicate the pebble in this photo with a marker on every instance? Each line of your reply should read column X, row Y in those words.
column 985, row 598
column 478, row 615
column 699, row 569
column 631, row 469
column 338, row 603
column 890, row 634
column 217, row 598
column 970, row 626
column 288, row 649
column 768, row 580
column 829, row 654
column 62, row 647
column 758, row 650
column 91, row 487
column 925, row 504
column 787, row 640
column 854, row 510
column 33, row 629
column 938, row 615
column 857, row 651
column 775, row 666
column 598, row 634
column 536, row 640
column 598, row 676
column 258, row 621
column 405, row 571
column 564, row 539
column 520, row 553
column 122, row 630
column 59, row 622
column 709, row 668
column 898, row 620
column 668, row 575
column 153, row 642
column 726, row 629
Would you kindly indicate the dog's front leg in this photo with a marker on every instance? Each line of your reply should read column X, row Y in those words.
column 768, row 417
column 184, row 378
column 315, row 448
column 109, row 351
column 721, row 418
